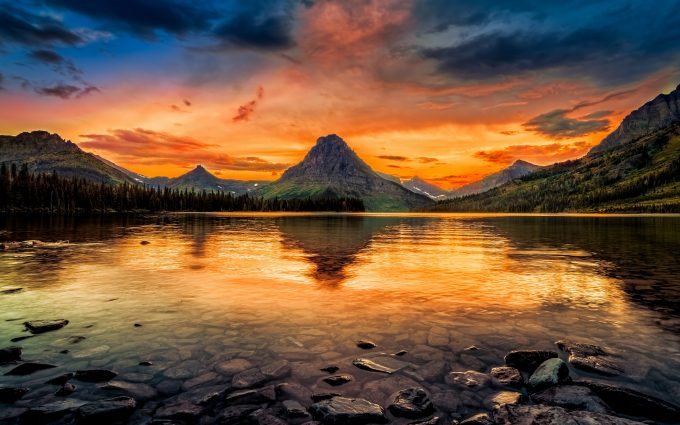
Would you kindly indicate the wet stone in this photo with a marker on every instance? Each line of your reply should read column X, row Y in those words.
column 366, row 345
column 40, row 326
column 236, row 414
column 10, row 354
column 94, row 375
column 469, row 378
column 438, row 336
column 265, row 417
column 234, row 366
column 107, row 411
column 317, row 397
column 445, row 399
column 21, row 338
column 347, row 411
column 276, row 370
column 262, row 395
column 432, row 370
column 11, row 394
column 478, row 419
column 249, row 378
column 401, row 353
column 294, row 391
column 61, row 379
column 571, row 397
column 65, row 390
column 412, row 403
column 169, row 387
column 145, row 363
column 200, row 380
column 550, row 372
column 435, row 420
column 330, row 369
column 528, row 360
column 29, row 368
column 596, row 364
column 51, row 411
column 551, row 415
column 504, row 398
column 507, row 376
column 382, row 364
column 337, row 380
column 136, row 390
column 294, row 409
column 182, row 410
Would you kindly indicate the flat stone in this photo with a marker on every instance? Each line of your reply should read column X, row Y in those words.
column 262, row 395
column 479, row 419
column 294, row 409
column 528, row 360
column 11, row 394
column 200, row 380
column 507, row 376
column 29, row 368
column 107, row 410
column 504, row 398
column 265, row 417
column 317, row 397
column 236, row 414
column 10, row 354
column 438, row 336
column 94, row 375
column 380, row 364
column 634, row 403
column 366, row 345
column 571, row 397
column 445, row 399
column 337, row 380
column 249, row 378
column 276, row 370
column 433, row 370
column 182, row 410
column 412, row 403
column 294, row 391
column 40, row 326
column 551, row 415
column 136, row 390
column 347, row 411
column 435, row 420
column 469, row 378
column 233, row 366
column 51, row 411
column 61, row 379
column 596, row 364
column 550, row 372
column 65, row 390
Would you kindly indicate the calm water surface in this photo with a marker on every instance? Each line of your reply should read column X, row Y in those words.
column 213, row 287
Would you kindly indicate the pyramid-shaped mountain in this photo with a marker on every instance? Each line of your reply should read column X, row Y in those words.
column 200, row 179
column 332, row 169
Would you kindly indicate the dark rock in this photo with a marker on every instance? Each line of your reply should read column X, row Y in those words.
column 264, row 417
column 412, row 403
column 236, row 414
column 634, row 403
column 293, row 409
column 61, row 379
column 479, row 419
column 550, row 372
column 591, row 358
column 366, row 345
column 432, row 421
column 64, row 352
column 21, row 338
column 469, row 378
column 504, row 398
column 145, row 363
column 206, row 395
column 551, row 415
column 347, row 411
column 506, row 375
column 472, row 348
column 107, row 411
column 401, row 353
column 29, row 367
column 11, row 415
column 75, row 339
column 337, row 380
column 249, row 378
column 571, row 397
column 581, row 349
column 276, row 370
column 50, row 411
column 528, row 360
column 11, row 291
column 380, row 364
column 11, row 394
column 330, row 369
column 10, row 354
column 181, row 410
column 137, row 325
column 40, row 326
column 66, row 390
column 144, row 243
column 94, row 375
column 137, row 390
column 317, row 397
column 263, row 395
column 293, row 391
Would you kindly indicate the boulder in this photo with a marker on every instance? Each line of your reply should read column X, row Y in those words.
column 40, row 326
column 507, row 376
column 347, row 411
column 550, row 372
column 106, row 411
column 29, row 368
column 412, row 403
column 528, row 360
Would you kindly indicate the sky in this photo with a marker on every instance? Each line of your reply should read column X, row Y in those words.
column 449, row 90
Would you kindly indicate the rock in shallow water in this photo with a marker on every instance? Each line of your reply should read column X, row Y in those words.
column 504, row 398
column 294, row 409
column 550, row 415
column 249, row 378
column 591, row 358
column 337, row 380
column 108, row 410
column 65, row 390
column 380, row 364
column 366, row 345
column 528, row 360
column 478, row 419
column 61, row 379
column 571, row 397
column 550, row 372
column 412, row 403
column 10, row 354
column 347, row 411
column 506, row 375
column 29, row 368
column 469, row 378
column 11, row 394
column 51, row 411
column 40, row 326
column 234, row 366
column 330, row 369
column 94, row 375
column 138, row 391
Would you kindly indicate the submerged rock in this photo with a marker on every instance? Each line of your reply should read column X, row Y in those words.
column 382, row 364
column 506, row 375
column 591, row 358
column 469, row 378
column 317, row 397
column 258, row 396
column 51, row 411
column 276, row 370
column 330, row 369
column 234, row 366
column 65, row 390
column 478, row 419
column 551, row 415
column 11, row 291
column 136, row 390
column 337, row 380
column 61, row 379
column 366, row 345
column 249, row 378
column 550, row 372
column 294, row 409
column 11, row 394
column 435, row 420
column 504, row 398
column 236, row 414
column 40, row 326
column 412, row 403
column 94, row 375
column 29, row 367
column 10, row 354
column 528, row 360
column 571, row 397
column 347, row 411
column 108, row 410
column 182, row 410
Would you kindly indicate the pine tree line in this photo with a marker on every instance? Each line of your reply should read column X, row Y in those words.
column 22, row 191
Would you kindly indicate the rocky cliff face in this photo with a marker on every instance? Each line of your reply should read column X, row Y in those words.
column 517, row 170
column 332, row 169
column 656, row 114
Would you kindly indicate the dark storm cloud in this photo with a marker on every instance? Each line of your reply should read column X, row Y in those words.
column 23, row 27
column 64, row 91
column 58, row 63
column 2, row 79
column 252, row 26
column 558, row 125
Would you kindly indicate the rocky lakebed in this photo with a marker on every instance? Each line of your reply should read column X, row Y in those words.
column 416, row 385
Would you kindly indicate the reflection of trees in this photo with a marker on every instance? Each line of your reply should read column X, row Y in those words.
column 332, row 243
column 641, row 251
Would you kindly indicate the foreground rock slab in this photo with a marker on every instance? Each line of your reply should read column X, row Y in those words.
column 550, row 415
column 412, row 403
column 29, row 368
column 506, row 375
column 107, row 410
column 347, row 411
column 550, row 372
column 11, row 394
column 94, row 375
column 591, row 358
column 382, row 364
column 40, row 326
column 571, row 397
column 10, row 354
column 528, row 360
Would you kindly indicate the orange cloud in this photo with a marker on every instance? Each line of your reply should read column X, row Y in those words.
column 245, row 111
column 542, row 154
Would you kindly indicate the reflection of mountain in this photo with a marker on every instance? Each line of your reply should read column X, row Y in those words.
column 641, row 251
column 332, row 243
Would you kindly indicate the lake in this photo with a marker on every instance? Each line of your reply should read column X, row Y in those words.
column 216, row 294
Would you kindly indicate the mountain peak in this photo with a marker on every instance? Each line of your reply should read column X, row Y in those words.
column 331, row 139
column 523, row 164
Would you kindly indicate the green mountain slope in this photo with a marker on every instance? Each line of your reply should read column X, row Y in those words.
column 642, row 175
